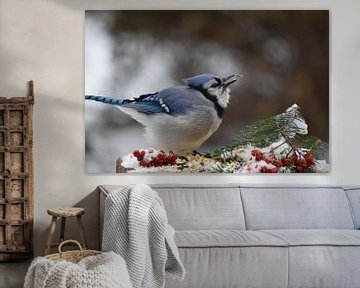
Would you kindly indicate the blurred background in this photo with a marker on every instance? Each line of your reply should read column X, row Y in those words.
column 284, row 56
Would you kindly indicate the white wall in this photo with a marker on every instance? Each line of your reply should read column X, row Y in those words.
column 44, row 41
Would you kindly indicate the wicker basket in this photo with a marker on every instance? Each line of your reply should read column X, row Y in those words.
column 72, row 256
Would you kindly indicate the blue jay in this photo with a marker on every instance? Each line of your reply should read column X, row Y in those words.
column 179, row 118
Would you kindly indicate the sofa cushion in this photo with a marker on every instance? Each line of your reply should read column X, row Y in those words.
column 220, row 267
column 317, row 237
column 226, row 238
column 327, row 258
column 296, row 208
column 199, row 207
column 324, row 266
column 203, row 208
column 354, row 198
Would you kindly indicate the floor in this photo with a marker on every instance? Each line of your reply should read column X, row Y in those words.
column 12, row 274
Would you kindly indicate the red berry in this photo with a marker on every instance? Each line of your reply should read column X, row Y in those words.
column 265, row 169
column 144, row 163
column 258, row 154
column 309, row 159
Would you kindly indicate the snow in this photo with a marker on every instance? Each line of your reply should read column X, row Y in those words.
column 255, row 166
column 322, row 166
column 130, row 162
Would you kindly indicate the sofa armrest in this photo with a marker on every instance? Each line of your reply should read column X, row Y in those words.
column 102, row 197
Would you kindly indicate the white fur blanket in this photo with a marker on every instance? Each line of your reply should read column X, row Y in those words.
column 103, row 271
column 136, row 227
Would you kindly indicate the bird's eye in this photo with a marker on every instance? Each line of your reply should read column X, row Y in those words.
column 218, row 80
column 215, row 82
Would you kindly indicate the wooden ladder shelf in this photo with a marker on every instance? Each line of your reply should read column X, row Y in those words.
column 16, row 177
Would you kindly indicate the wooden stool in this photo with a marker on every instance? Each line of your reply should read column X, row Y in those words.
column 64, row 213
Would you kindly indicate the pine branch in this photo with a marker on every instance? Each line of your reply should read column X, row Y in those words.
column 262, row 133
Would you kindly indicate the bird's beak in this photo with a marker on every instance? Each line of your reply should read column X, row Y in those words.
column 231, row 79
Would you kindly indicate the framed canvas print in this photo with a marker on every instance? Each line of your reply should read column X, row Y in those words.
column 207, row 91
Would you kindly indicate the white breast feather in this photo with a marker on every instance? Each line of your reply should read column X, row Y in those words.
column 179, row 133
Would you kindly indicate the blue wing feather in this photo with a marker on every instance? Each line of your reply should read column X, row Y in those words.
column 105, row 99
column 145, row 107
column 174, row 101
column 180, row 99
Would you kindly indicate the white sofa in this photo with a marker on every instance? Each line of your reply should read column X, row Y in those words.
column 235, row 236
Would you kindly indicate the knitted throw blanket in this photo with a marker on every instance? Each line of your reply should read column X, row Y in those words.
column 103, row 271
column 136, row 227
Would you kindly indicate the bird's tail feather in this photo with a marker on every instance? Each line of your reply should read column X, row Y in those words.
column 104, row 99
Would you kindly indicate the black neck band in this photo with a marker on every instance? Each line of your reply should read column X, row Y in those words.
column 212, row 98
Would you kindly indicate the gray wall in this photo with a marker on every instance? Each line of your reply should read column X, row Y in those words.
column 44, row 41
